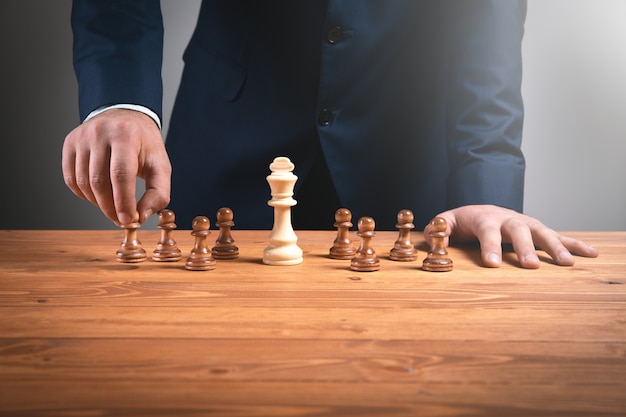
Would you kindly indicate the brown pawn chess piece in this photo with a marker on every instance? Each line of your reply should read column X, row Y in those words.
column 130, row 249
column 225, row 247
column 167, row 249
column 200, row 258
column 437, row 259
column 365, row 259
column 403, row 249
column 342, row 246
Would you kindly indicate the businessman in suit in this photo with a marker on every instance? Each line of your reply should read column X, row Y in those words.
column 382, row 105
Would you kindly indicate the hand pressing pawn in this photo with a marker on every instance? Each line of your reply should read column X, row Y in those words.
column 130, row 249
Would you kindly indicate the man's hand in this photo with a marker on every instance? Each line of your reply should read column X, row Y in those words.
column 103, row 156
column 492, row 226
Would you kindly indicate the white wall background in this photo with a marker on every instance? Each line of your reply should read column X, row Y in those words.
column 575, row 128
column 574, row 89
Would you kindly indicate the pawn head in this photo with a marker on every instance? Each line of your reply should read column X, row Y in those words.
column 166, row 216
column 405, row 216
column 224, row 215
column 201, row 223
column 366, row 224
column 438, row 224
column 343, row 215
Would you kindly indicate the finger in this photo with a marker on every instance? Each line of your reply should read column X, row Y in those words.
column 151, row 202
column 123, row 173
column 490, row 244
column 578, row 247
column 100, row 182
column 157, row 174
column 548, row 240
column 157, row 194
column 68, row 165
column 82, row 176
column 520, row 236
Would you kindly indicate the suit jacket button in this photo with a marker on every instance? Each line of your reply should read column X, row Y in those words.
column 325, row 117
column 334, row 35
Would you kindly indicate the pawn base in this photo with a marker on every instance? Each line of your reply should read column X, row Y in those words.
column 131, row 256
column 403, row 255
column 437, row 265
column 167, row 256
column 365, row 265
column 200, row 265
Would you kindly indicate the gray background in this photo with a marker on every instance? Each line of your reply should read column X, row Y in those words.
column 574, row 90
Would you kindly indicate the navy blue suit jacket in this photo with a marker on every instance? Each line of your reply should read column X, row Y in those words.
column 411, row 104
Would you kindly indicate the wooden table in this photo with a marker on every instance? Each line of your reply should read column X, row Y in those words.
column 84, row 335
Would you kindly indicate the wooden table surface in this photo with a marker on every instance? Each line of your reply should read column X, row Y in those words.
column 84, row 335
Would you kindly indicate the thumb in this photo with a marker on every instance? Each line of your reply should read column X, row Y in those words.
column 157, row 194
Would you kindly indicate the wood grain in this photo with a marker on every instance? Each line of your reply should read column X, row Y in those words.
column 83, row 335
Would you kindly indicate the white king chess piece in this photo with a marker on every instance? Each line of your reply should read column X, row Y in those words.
column 283, row 248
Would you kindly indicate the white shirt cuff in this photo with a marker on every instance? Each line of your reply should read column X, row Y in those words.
column 135, row 107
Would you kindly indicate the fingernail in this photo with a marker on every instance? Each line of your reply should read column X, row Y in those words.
column 493, row 258
column 531, row 258
column 147, row 214
column 564, row 257
column 124, row 218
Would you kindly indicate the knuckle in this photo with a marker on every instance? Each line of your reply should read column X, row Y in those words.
column 159, row 198
column 163, row 200
column 513, row 223
column 487, row 225
column 70, row 181
column 120, row 173
column 82, row 182
column 98, row 182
